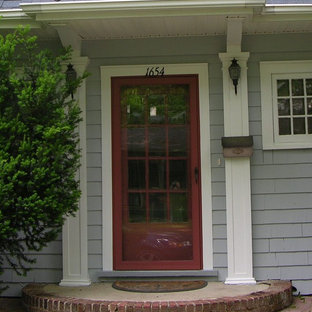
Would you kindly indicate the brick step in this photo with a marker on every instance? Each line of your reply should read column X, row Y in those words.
column 274, row 298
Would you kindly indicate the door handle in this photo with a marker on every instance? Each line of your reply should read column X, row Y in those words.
column 196, row 174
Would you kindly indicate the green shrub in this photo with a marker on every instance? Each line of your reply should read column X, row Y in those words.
column 39, row 155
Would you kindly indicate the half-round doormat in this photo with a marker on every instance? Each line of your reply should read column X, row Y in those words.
column 158, row 286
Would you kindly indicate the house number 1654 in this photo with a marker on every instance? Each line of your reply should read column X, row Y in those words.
column 155, row 71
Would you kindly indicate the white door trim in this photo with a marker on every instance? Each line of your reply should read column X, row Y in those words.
column 107, row 72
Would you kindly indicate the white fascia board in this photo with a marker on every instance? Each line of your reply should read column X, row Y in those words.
column 14, row 18
column 290, row 11
column 126, row 8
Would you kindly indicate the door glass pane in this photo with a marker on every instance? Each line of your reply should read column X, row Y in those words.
column 136, row 174
column 158, row 207
column 178, row 207
column 297, row 87
column 178, row 142
column 133, row 104
column 136, row 142
column 177, row 109
column 299, row 126
column 156, row 108
column 136, row 210
column 178, row 174
column 284, row 126
column 157, row 174
column 157, row 141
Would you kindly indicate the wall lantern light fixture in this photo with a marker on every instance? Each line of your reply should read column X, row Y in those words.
column 234, row 71
column 71, row 76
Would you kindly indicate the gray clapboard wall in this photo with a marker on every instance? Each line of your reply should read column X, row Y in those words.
column 281, row 179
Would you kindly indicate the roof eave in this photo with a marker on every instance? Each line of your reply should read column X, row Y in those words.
column 131, row 8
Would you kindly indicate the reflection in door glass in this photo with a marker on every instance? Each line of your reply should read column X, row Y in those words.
column 157, row 141
column 178, row 174
column 136, row 142
column 178, row 207
column 156, row 108
column 137, row 212
column 157, row 174
column 158, row 207
column 136, row 174
column 177, row 108
column 177, row 141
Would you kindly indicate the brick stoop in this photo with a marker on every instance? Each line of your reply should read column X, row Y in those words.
column 276, row 297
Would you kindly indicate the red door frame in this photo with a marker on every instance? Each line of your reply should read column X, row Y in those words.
column 118, row 262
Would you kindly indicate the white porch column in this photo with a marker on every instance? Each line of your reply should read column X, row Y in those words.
column 75, row 240
column 237, row 169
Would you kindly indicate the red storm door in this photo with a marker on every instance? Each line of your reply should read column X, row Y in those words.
column 156, row 173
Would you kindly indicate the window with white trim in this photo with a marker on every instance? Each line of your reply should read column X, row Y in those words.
column 286, row 103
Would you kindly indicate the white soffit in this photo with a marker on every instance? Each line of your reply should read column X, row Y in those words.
column 119, row 19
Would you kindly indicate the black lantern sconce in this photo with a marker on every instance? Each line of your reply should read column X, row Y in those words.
column 71, row 76
column 234, row 71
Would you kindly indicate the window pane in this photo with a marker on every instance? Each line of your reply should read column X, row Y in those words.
column 297, row 87
column 156, row 106
column 309, row 86
column 137, row 211
column 283, row 87
column 309, row 125
column 299, row 126
column 177, row 113
column 298, row 106
column 157, row 174
column 177, row 137
column 178, row 174
column 309, row 102
column 157, row 141
column 284, row 126
column 283, row 107
column 158, row 207
column 136, row 174
column 136, row 141
column 178, row 207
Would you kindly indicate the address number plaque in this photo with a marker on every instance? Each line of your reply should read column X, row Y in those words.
column 156, row 71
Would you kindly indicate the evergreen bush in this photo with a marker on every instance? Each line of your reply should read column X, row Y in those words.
column 39, row 155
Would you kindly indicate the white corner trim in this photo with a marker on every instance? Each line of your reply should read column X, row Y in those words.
column 139, row 70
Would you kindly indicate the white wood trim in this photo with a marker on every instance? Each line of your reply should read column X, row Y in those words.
column 270, row 139
column 75, row 229
column 170, row 69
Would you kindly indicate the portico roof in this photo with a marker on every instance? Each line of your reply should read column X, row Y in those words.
column 115, row 19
